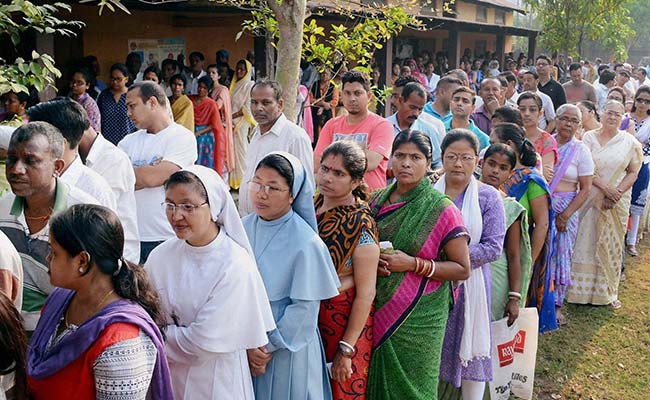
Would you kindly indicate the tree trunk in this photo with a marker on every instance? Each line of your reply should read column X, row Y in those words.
column 291, row 17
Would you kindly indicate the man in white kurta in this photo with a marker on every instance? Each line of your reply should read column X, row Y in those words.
column 216, row 303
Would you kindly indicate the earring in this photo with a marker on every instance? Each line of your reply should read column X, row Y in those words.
column 81, row 270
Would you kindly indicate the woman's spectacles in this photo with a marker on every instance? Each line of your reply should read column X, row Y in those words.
column 465, row 158
column 186, row 209
column 643, row 101
column 269, row 190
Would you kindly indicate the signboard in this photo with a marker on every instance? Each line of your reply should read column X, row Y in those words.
column 153, row 51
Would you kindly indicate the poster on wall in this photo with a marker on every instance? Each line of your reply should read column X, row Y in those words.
column 153, row 51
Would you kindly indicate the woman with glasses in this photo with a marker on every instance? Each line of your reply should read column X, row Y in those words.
column 79, row 85
column 640, row 122
column 298, row 274
column 596, row 262
column 570, row 187
column 112, row 106
column 350, row 233
column 530, row 106
column 425, row 247
column 531, row 190
column 210, row 289
column 466, row 358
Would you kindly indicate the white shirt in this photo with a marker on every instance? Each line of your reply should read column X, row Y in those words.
column 5, row 136
column 432, row 82
column 218, row 298
column 10, row 261
column 115, row 167
column 193, row 83
column 283, row 136
column 85, row 179
column 175, row 144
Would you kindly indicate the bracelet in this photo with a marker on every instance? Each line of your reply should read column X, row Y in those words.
column 346, row 350
column 516, row 295
column 433, row 269
column 419, row 265
column 346, row 344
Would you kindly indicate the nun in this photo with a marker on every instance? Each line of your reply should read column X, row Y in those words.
column 210, row 289
column 298, row 273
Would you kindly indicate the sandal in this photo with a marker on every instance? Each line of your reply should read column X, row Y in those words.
column 616, row 304
column 631, row 250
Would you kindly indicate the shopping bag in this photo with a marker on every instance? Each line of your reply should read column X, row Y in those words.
column 514, row 351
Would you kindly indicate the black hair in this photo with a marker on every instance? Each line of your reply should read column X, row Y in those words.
column 65, row 114
column 606, row 77
column 153, row 69
column 166, row 62
column 544, row 57
column 533, row 73
column 354, row 162
column 149, row 89
column 405, row 80
column 508, row 76
column 575, row 67
column 187, row 178
column 448, row 80
column 456, row 135
column 207, row 81
column 590, row 106
column 215, row 66
column 356, row 76
column 515, row 134
column 27, row 132
column 240, row 62
column 13, row 346
column 508, row 114
column 642, row 89
column 602, row 68
column 281, row 165
column 504, row 149
column 97, row 230
column 414, row 88
column 196, row 54
column 120, row 67
column 89, row 77
column 178, row 77
column 531, row 96
column 274, row 85
column 642, row 70
column 419, row 139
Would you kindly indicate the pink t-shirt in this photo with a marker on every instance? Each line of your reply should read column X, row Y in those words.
column 373, row 133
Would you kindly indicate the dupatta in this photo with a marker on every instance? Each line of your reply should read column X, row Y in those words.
column 207, row 113
column 221, row 92
column 240, row 94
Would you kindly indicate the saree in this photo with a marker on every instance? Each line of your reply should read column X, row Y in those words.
column 596, row 263
column 221, row 95
column 211, row 144
column 515, row 213
column 183, row 112
column 341, row 229
column 540, row 291
column 410, row 310
column 240, row 98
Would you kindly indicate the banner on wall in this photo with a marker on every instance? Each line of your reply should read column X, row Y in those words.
column 153, row 51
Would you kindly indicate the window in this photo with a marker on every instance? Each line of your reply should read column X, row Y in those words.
column 499, row 17
column 481, row 14
column 449, row 9
column 428, row 7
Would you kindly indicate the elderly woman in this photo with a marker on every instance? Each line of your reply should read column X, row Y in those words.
column 640, row 121
column 426, row 245
column 530, row 106
column 466, row 356
column 210, row 289
column 298, row 274
column 570, row 187
column 511, row 272
column 596, row 263
column 102, row 309
column 350, row 233
column 530, row 189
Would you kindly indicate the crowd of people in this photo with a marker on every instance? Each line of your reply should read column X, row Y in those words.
column 362, row 257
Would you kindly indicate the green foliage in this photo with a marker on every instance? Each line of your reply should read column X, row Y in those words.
column 567, row 24
column 112, row 5
column 18, row 17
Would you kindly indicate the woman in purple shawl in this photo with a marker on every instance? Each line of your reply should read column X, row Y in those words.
column 98, row 335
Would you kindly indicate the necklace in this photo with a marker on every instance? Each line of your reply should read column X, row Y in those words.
column 97, row 308
column 41, row 218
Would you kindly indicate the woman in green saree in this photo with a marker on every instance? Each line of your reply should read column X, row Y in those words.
column 428, row 247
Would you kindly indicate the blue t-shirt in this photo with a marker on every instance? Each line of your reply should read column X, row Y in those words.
column 483, row 139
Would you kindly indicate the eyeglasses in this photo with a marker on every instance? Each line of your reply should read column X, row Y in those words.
column 614, row 114
column 643, row 101
column 464, row 158
column 568, row 120
column 269, row 190
column 186, row 209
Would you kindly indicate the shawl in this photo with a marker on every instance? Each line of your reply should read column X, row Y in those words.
column 221, row 92
column 183, row 112
column 474, row 343
column 341, row 227
column 207, row 113
column 421, row 223
column 240, row 94
column 43, row 362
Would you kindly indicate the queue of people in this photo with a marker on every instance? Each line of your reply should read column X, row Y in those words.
column 369, row 267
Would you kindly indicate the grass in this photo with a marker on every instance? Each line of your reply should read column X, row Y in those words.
column 601, row 354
